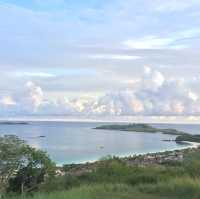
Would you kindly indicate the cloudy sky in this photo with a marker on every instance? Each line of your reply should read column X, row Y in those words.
column 100, row 58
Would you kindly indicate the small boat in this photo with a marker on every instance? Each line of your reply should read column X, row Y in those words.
column 40, row 136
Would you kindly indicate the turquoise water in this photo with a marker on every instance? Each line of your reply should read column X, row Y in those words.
column 75, row 142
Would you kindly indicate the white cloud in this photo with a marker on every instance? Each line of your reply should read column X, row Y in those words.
column 7, row 101
column 114, row 57
column 153, row 42
column 147, row 70
column 34, row 74
column 155, row 96
column 113, row 35
column 174, row 5
column 27, row 101
column 193, row 96
column 149, row 42
column 152, row 79
column 34, row 95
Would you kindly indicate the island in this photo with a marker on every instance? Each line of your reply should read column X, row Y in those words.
column 146, row 128
column 13, row 123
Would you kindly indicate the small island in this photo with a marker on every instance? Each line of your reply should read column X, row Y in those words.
column 13, row 123
column 146, row 128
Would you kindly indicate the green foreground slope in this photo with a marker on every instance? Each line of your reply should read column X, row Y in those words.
column 101, row 191
column 115, row 180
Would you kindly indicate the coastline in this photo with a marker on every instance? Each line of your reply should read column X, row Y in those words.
column 192, row 144
column 141, row 160
column 188, row 145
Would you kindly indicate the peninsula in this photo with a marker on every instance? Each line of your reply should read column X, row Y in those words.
column 146, row 128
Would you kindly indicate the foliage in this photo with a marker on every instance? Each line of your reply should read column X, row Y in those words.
column 140, row 128
column 188, row 137
column 96, row 191
column 22, row 167
column 12, row 151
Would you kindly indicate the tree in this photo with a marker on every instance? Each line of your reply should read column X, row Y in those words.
column 11, row 158
column 30, row 176
column 22, row 168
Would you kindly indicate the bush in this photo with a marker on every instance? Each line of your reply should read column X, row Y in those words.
column 178, row 188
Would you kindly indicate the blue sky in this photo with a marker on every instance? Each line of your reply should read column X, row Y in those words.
column 98, row 58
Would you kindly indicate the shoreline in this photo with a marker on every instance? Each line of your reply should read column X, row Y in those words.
column 142, row 160
column 192, row 144
column 188, row 145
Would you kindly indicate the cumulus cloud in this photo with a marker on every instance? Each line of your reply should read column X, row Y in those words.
column 26, row 101
column 33, row 95
column 155, row 95
column 152, row 80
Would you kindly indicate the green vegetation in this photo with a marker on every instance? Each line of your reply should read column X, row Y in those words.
column 98, row 191
column 111, row 178
column 189, row 138
column 181, row 136
column 22, row 168
column 140, row 128
column 13, row 123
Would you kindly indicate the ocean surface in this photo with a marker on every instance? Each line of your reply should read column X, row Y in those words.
column 77, row 142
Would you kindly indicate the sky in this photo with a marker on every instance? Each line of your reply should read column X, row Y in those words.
column 100, row 59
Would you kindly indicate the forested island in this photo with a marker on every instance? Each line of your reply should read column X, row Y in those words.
column 13, row 123
column 146, row 128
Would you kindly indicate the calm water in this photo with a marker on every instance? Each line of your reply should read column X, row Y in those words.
column 75, row 142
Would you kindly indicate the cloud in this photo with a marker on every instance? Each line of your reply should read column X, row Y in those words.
column 26, row 101
column 7, row 101
column 193, row 96
column 34, row 74
column 154, row 42
column 34, row 94
column 150, row 42
column 176, row 40
column 155, row 95
column 174, row 5
column 114, row 57
column 152, row 80
column 117, row 39
column 49, row 2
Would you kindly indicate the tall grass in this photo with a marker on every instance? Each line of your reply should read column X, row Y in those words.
column 113, row 179
column 179, row 188
column 99, row 191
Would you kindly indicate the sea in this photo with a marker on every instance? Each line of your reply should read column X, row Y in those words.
column 79, row 142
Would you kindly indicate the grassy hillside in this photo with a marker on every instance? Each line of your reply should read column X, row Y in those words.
column 101, row 191
column 113, row 179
